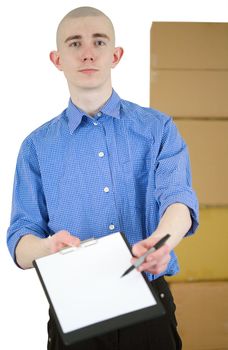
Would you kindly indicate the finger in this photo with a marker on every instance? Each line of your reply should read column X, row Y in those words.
column 155, row 256
column 63, row 239
column 140, row 248
column 67, row 238
column 155, row 270
column 73, row 241
column 154, row 265
column 158, row 254
column 57, row 246
column 61, row 235
column 159, row 269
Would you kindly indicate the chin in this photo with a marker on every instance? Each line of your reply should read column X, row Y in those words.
column 90, row 85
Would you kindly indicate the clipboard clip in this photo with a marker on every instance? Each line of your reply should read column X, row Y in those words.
column 83, row 244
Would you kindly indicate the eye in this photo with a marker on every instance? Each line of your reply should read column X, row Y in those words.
column 75, row 44
column 99, row 43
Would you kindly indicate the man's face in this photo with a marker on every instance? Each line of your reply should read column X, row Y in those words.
column 86, row 52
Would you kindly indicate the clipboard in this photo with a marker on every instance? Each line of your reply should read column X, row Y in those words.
column 86, row 293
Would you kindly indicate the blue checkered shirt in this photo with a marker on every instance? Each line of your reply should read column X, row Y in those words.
column 92, row 176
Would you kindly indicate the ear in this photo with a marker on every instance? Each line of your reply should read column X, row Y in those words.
column 117, row 55
column 55, row 59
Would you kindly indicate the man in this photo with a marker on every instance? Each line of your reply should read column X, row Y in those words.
column 103, row 165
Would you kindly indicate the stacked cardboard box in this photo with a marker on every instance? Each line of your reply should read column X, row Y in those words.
column 202, row 314
column 189, row 81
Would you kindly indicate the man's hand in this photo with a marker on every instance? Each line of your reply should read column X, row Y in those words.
column 31, row 247
column 60, row 240
column 155, row 262
column 176, row 221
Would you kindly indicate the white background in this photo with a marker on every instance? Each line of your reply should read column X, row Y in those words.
column 33, row 91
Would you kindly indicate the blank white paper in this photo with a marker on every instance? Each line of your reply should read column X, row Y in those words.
column 85, row 285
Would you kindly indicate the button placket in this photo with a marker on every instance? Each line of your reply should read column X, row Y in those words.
column 102, row 155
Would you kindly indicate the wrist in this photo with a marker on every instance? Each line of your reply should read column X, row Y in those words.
column 158, row 233
column 46, row 244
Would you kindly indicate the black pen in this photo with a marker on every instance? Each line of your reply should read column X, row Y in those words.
column 142, row 258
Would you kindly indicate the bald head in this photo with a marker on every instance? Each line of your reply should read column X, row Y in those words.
column 81, row 12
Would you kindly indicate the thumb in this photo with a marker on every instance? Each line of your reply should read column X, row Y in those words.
column 140, row 248
column 73, row 241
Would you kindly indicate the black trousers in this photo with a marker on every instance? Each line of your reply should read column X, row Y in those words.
column 157, row 334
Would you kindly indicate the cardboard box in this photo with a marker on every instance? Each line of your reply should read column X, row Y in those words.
column 183, row 45
column 202, row 314
column 208, row 147
column 203, row 256
column 190, row 94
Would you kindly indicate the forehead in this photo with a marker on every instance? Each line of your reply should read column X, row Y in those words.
column 85, row 27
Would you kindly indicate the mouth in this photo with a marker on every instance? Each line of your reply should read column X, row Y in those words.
column 88, row 70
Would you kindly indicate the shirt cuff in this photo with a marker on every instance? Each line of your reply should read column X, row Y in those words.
column 190, row 202
column 14, row 239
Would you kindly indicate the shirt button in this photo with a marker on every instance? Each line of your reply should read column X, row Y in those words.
column 98, row 114
column 95, row 123
column 106, row 189
column 111, row 227
column 101, row 154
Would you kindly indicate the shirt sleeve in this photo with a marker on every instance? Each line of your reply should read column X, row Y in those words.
column 29, row 212
column 173, row 180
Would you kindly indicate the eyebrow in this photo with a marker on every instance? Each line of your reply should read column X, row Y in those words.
column 95, row 35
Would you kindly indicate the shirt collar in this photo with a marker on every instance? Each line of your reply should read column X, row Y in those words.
column 75, row 114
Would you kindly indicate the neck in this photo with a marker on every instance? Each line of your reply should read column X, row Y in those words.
column 90, row 100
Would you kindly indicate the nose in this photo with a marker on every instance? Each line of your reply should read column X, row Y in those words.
column 88, row 55
column 88, row 59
